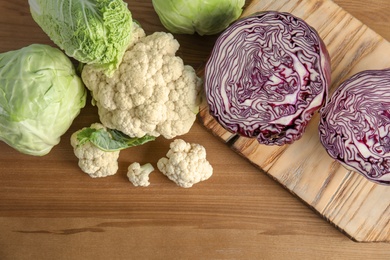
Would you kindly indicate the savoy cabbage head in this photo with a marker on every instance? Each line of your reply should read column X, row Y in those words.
column 90, row 31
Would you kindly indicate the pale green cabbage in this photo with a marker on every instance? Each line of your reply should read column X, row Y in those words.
column 90, row 31
column 206, row 17
column 40, row 96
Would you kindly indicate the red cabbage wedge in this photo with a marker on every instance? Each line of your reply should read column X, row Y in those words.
column 266, row 76
column 355, row 124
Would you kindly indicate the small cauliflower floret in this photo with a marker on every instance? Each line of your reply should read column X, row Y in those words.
column 139, row 174
column 151, row 93
column 92, row 160
column 185, row 164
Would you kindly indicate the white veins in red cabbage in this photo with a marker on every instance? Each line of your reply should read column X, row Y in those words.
column 266, row 76
column 355, row 124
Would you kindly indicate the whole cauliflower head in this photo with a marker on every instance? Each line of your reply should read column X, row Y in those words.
column 92, row 160
column 152, row 92
column 185, row 164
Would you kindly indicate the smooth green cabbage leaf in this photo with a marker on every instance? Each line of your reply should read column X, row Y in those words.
column 204, row 17
column 40, row 96
column 90, row 31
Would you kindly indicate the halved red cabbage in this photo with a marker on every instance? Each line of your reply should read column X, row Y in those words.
column 266, row 76
column 355, row 124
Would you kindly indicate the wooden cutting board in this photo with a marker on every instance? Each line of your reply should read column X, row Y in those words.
column 356, row 206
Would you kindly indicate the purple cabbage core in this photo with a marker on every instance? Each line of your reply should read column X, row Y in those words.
column 266, row 76
column 355, row 124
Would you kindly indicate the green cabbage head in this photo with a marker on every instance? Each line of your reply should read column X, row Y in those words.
column 206, row 17
column 40, row 96
column 90, row 31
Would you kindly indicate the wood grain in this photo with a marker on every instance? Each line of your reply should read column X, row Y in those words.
column 49, row 209
column 346, row 199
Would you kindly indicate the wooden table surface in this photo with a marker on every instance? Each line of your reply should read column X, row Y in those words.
column 49, row 209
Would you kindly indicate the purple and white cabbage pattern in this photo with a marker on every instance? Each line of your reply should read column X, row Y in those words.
column 355, row 124
column 266, row 76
